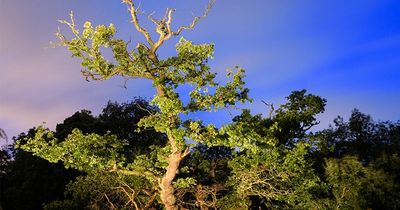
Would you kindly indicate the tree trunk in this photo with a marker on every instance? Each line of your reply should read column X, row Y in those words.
column 167, row 189
column 174, row 159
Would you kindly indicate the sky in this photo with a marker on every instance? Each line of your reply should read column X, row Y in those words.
column 345, row 51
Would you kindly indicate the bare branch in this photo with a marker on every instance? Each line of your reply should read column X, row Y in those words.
column 196, row 19
column 151, row 201
column 163, row 28
column 133, row 11
column 272, row 109
column 186, row 152
column 152, row 19
column 109, row 201
column 144, row 109
column 130, row 196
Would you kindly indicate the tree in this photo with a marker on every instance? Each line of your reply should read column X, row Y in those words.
column 102, row 190
column 188, row 67
column 355, row 186
column 272, row 170
column 359, row 161
column 362, row 136
column 4, row 161
column 297, row 116
column 30, row 181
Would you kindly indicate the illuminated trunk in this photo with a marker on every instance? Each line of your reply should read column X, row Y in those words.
column 167, row 189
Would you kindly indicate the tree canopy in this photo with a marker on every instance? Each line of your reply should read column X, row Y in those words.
column 308, row 173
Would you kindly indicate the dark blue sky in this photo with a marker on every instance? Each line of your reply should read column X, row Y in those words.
column 345, row 51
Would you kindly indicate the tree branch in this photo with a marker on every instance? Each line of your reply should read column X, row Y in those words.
column 272, row 109
column 186, row 152
column 133, row 11
column 163, row 26
column 196, row 19
column 109, row 201
column 151, row 201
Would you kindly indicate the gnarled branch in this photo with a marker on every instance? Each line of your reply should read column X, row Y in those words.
column 163, row 26
column 133, row 11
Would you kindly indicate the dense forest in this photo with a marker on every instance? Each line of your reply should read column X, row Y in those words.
column 158, row 154
column 353, row 164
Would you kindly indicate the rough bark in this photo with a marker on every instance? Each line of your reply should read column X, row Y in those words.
column 166, row 188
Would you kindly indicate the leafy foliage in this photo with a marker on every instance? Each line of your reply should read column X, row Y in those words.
column 30, row 181
column 355, row 186
column 260, row 173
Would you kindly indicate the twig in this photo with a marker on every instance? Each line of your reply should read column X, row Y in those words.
column 196, row 19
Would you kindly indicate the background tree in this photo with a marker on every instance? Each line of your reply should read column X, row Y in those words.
column 30, row 181
column 272, row 170
column 355, row 186
column 297, row 116
column 359, row 161
column 260, row 173
column 4, row 161
column 103, row 190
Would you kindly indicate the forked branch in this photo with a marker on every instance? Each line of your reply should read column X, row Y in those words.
column 163, row 26
column 133, row 11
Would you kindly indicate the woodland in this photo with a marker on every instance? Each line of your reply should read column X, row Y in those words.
column 153, row 154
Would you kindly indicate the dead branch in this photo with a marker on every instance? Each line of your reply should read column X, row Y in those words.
column 151, row 201
column 109, row 201
column 131, row 196
column 163, row 26
column 186, row 152
column 133, row 11
column 196, row 19
column 272, row 109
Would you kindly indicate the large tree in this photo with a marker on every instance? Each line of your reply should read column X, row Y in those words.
column 189, row 67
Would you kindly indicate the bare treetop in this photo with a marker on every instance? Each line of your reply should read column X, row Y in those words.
column 163, row 26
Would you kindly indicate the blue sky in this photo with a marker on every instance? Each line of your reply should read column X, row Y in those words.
column 345, row 51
